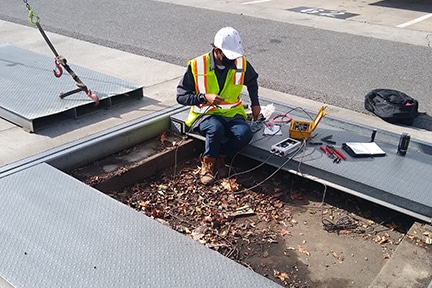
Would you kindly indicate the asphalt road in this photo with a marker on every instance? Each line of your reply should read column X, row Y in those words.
column 325, row 65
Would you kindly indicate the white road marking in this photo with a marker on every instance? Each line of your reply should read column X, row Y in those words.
column 424, row 17
column 254, row 2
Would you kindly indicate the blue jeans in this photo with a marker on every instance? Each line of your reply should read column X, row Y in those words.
column 224, row 136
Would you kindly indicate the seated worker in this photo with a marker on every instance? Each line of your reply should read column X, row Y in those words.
column 212, row 85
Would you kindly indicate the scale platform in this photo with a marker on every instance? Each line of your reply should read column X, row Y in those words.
column 31, row 93
column 401, row 183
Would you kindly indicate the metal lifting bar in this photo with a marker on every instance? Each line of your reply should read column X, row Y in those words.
column 59, row 61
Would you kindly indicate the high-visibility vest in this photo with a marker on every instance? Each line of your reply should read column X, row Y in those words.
column 206, row 82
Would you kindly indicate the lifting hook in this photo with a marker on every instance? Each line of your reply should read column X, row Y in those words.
column 93, row 96
column 58, row 72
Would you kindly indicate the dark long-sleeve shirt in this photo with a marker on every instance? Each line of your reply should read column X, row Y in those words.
column 186, row 94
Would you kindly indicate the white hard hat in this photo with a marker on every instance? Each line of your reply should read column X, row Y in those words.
column 228, row 40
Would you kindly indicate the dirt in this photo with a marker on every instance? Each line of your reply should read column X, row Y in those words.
column 293, row 231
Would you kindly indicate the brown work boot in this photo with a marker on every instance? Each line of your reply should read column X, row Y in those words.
column 220, row 167
column 207, row 170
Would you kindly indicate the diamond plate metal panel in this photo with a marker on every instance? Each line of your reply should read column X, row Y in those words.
column 58, row 232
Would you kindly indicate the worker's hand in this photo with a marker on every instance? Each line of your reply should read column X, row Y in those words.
column 214, row 99
column 256, row 110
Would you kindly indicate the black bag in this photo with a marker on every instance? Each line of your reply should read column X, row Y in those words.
column 392, row 106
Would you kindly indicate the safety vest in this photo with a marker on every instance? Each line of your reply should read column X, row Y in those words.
column 207, row 82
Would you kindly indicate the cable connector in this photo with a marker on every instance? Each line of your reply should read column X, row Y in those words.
column 256, row 125
column 327, row 139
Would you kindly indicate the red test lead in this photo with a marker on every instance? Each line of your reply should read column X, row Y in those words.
column 339, row 154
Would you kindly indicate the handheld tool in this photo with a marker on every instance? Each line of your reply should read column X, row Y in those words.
column 327, row 139
column 335, row 152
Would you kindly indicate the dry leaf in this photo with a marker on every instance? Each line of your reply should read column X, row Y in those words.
column 281, row 275
column 340, row 257
column 278, row 204
column 380, row 239
column 303, row 250
column 427, row 237
column 392, row 226
column 284, row 232
column 199, row 232
column 163, row 138
column 383, row 240
column 250, row 211
column 230, row 185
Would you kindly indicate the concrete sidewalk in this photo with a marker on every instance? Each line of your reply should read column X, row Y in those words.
column 159, row 80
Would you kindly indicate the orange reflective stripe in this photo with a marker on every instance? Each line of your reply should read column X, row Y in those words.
column 206, row 108
column 236, row 104
column 201, row 109
column 240, row 68
column 200, row 75
column 194, row 67
column 231, row 103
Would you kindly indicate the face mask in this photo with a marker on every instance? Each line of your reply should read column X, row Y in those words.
column 227, row 62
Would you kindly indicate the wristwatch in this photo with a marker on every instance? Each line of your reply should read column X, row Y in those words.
column 202, row 98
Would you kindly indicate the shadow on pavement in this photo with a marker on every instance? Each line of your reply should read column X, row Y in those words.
column 419, row 5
